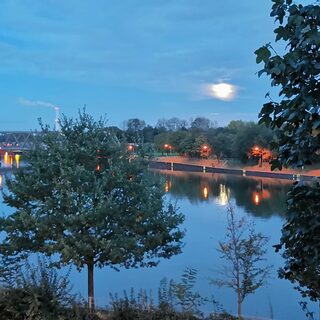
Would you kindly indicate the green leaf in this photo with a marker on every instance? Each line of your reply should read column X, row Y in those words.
column 267, row 108
column 263, row 54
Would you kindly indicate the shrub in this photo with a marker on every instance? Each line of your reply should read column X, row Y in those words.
column 38, row 293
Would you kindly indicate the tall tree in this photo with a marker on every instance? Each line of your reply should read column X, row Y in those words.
column 244, row 250
column 297, row 74
column 201, row 123
column 297, row 115
column 134, row 125
column 81, row 200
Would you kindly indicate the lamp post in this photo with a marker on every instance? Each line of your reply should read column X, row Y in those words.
column 257, row 151
column 167, row 147
column 205, row 149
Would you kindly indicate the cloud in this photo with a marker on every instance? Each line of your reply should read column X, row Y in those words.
column 170, row 46
column 35, row 103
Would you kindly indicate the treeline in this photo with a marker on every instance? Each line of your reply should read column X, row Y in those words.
column 188, row 137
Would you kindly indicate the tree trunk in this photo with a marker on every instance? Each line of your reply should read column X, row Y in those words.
column 239, row 303
column 90, row 288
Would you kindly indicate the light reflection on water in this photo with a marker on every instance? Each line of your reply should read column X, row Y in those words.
column 203, row 199
column 10, row 160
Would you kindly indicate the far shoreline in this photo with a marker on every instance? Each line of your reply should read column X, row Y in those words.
column 213, row 166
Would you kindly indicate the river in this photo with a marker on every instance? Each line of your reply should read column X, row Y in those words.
column 203, row 198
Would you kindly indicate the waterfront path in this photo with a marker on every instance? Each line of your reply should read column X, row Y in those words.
column 210, row 166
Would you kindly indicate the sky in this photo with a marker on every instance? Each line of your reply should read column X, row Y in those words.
column 123, row 59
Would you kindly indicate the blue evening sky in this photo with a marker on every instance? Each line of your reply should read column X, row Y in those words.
column 148, row 59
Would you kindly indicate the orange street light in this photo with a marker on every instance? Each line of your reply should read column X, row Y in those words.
column 257, row 151
column 256, row 198
column 205, row 150
column 167, row 147
column 130, row 147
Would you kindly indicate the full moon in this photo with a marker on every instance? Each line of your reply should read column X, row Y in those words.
column 223, row 91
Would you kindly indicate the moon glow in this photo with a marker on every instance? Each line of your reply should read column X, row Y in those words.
column 223, row 91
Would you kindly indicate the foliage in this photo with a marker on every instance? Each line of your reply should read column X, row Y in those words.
column 201, row 123
column 308, row 313
column 172, row 124
column 187, row 300
column 141, row 306
column 38, row 292
column 131, row 307
column 296, row 73
column 135, row 125
column 192, row 144
column 82, row 200
column 301, row 239
column 297, row 116
column 244, row 250
column 234, row 141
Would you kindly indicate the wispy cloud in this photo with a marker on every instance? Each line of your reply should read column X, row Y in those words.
column 35, row 103
column 157, row 46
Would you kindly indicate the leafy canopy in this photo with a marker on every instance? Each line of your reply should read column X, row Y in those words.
column 296, row 73
column 82, row 198
column 297, row 115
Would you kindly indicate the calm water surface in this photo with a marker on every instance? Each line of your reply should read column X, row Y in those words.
column 203, row 199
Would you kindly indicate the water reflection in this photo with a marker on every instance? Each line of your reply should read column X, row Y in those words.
column 205, row 193
column 224, row 195
column 168, row 183
column 261, row 197
column 17, row 160
column 11, row 159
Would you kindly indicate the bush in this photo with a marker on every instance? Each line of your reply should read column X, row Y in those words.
column 39, row 293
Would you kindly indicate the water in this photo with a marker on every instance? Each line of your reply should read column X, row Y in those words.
column 203, row 199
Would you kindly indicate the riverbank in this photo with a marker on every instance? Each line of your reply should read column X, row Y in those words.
column 213, row 166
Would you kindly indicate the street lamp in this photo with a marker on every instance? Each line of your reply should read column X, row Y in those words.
column 130, row 147
column 257, row 151
column 167, row 147
column 205, row 149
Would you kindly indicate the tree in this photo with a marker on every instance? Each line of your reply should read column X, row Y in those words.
column 81, row 200
column 201, row 123
column 172, row 124
column 135, row 125
column 301, row 239
column 244, row 250
column 297, row 74
column 297, row 116
column 192, row 144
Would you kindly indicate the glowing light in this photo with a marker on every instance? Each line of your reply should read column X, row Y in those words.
column 17, row 160
column 205, row 192
column 224, row 194
column 166, row 187
column 223, row 91
column 7, row 159
column 256, row 198
column 1, row 179
column 130, row 147
column 98, row 167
